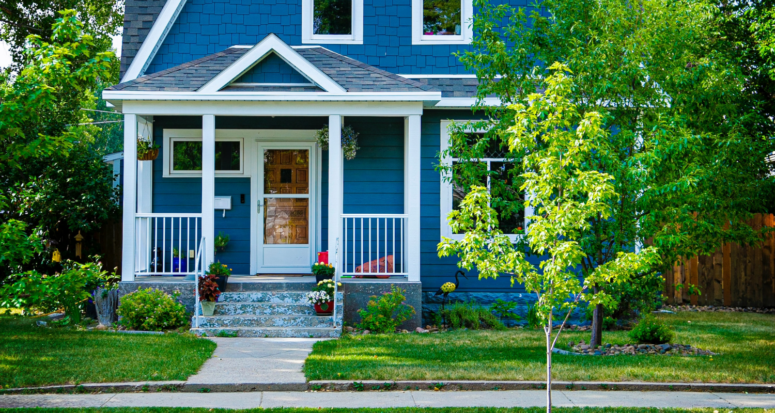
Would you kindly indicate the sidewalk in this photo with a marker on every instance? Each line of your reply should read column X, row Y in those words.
column 518, row 398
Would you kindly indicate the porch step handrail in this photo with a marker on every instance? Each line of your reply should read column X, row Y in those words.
column 374, row 245
column 158, row 235
column 197, row 271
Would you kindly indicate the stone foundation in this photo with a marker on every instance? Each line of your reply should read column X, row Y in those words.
column 186, row 289
column 432, row 305
column 358, row 292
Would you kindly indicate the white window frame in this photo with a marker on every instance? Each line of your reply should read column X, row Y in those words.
column 170, row 137
column 466, row 31
column 446, row 186
column 307, row 36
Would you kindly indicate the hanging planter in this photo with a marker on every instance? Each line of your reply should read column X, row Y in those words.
column 146, row 150
column 349, row 141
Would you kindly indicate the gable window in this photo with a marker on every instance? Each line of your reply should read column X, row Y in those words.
column 441, row 21
column 183, row 156
column 452, row 193
column 332, row 21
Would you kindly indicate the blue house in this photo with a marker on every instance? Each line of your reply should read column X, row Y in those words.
column 236, row 94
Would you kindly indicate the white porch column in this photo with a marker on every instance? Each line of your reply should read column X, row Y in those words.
column 412, row 132
column 144, row 196
column 130, row 198
column 208, row 187
column 335, row 198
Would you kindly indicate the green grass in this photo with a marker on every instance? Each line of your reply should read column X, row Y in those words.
column 745, row 343
column 380, row 410
column 36, row 356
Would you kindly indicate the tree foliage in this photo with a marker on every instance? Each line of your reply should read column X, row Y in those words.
column 52, row 181
column 686, row 139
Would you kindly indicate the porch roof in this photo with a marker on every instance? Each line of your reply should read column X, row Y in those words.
column 350, row 74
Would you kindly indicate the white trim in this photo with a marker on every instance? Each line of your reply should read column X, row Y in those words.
column 113, row 157
column 130, row 198
column 457, row 103
column 412, row 194
column 307, row 11
column 411, row 76
column 466, row 32
column 271, row 43
column 208, row 187
column 335, row 183
column 248, row 84
column 446, row 188
column 170, row 138
column 155, row 38
column 273, row 96
column 312, row 195
column 226, row 108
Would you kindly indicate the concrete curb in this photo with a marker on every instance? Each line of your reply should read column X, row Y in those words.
column 381, row 385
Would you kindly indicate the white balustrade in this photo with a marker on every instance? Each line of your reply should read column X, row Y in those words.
column 158, row 236
column 374, row 245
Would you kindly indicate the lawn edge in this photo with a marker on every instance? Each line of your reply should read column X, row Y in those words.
column 382, row 385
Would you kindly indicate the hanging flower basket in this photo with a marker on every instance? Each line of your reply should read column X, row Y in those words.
column 148, row 155
column 147, row 150
column 349, row 141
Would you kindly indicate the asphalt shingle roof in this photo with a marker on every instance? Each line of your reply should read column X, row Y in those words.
column 352, row 75
column 139, row 16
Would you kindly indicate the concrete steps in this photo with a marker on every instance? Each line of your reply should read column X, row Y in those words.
column 273, row 309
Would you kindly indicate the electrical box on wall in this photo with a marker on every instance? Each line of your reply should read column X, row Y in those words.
column 222, row 202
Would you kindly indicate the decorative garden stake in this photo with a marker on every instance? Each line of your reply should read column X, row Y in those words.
column 447, row 288
column 78, row 245
column 553, row 140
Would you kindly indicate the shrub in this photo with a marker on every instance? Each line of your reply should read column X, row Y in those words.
column 68, row 290
column 473, row 316
column 503, row 309
column 387, row 313
column 650, row 330
column 533, row 321
column 151, row 310
column 641, row 295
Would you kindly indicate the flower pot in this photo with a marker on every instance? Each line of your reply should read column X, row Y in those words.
column 321, row 277
column 179, row 265
column 325, row 308
column 222, row 282
column 208, row 308
column 148, row 155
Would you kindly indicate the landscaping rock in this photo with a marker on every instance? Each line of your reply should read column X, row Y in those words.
column 719, row 309
column 421, row 330
column 652, row 349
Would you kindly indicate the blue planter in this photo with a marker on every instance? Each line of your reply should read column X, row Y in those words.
column 179, row 265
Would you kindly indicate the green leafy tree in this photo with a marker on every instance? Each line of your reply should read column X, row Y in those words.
column 52, row 181
column 22, row 18
column 687, row 139
column 557, row 141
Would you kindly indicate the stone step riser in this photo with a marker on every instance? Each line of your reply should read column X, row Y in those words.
column 273, row 333
column 259, row 321
column 257, row 309
column 269, row 286
column 281, row 297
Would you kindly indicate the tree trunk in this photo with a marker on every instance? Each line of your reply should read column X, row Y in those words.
column 549, row 366
column 597, row 326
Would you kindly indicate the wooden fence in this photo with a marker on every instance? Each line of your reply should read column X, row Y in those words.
column 733, row 276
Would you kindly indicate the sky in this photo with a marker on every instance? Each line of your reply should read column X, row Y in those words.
column 5, row 54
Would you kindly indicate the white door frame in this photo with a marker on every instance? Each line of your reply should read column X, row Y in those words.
column 257, row 188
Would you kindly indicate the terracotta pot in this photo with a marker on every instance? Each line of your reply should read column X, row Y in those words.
column 149, row 155
column 325, row 308
column 208, row 308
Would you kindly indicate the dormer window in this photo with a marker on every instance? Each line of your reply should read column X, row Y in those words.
column 332, row 21
column 441, row 21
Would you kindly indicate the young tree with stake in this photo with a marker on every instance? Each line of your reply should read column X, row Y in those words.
column 556, row 141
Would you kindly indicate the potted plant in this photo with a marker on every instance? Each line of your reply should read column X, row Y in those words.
column 349, row 141
column 208, row 293
column 147, row 150
column 322, row 297
column 221, row 272
column 179, row 264
column 221, row 241
column 323, row 271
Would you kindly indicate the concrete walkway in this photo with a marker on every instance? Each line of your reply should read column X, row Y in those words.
column 518, row 398
column 269, row 361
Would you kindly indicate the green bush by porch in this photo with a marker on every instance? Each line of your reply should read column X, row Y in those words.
column 744, row 341
column 36, row 356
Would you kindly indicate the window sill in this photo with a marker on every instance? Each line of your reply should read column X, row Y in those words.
column 199, row 175
column 436, row 40
column 332, row 40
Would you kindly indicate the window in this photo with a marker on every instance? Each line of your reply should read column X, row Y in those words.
column 184, row 156
column 498, row 181
column 332, row 21
column 441, row 21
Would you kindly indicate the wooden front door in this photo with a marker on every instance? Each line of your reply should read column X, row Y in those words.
column 286, row 220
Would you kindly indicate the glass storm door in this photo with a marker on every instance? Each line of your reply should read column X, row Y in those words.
column 286, row 198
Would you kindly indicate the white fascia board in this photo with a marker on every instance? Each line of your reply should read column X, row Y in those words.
column 274, row 96
column 271, row 43
column 456, row 103
column 272, row 108
column 155, row 38
column 113, row 156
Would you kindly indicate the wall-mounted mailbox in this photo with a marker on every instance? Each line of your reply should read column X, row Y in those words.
column 222, row 202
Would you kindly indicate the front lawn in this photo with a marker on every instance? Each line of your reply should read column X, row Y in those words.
column 36, row 356
column 745, row 343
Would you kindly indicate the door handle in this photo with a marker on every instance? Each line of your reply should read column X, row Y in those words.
column 258, row 209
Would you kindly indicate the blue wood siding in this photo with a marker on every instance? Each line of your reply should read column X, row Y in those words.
column 272, row 69
column 209, row 26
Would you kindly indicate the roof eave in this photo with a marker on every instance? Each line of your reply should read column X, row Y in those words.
column 116, row 97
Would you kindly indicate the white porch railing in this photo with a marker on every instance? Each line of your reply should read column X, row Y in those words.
column 157, row 236
column 374, row 245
